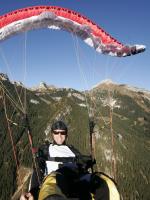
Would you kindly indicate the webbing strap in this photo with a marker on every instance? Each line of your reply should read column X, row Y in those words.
column 62, row 159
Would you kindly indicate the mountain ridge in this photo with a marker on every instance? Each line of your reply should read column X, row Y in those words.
column 116, row 111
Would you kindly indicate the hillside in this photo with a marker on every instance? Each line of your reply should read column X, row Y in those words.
column 128, row 108
column 122, row 131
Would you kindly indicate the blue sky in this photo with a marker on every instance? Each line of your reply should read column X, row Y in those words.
column 57, row 58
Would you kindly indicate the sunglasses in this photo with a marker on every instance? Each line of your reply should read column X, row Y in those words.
column 60, row 132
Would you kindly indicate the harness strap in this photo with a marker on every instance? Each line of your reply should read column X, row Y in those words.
column 62, row 159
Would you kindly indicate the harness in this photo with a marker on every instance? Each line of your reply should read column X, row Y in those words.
column 62, row 159
column 43, row 156
column 44, row 152
column 82, row 162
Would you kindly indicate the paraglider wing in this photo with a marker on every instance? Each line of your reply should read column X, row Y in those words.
column 60, row 18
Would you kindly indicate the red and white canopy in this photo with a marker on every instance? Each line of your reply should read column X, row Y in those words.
column 61, row 18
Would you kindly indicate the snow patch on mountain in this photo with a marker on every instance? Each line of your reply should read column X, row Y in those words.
column 34, row 101
column 108, row 154
column 82, row 105
column 57, row 98
column 76, row 95
column 111, row 102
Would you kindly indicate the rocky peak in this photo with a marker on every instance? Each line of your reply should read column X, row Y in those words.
column 4, row 77
column 106, row 82
column 43, row 87
column 19, row 83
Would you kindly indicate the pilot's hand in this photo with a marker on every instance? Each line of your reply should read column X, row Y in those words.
column 27, row 196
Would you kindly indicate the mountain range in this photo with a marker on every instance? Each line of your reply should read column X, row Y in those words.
column 121, row 134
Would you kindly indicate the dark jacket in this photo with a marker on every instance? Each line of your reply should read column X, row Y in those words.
column 42, row 155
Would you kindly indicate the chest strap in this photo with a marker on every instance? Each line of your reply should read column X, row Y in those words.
column 62, row 159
